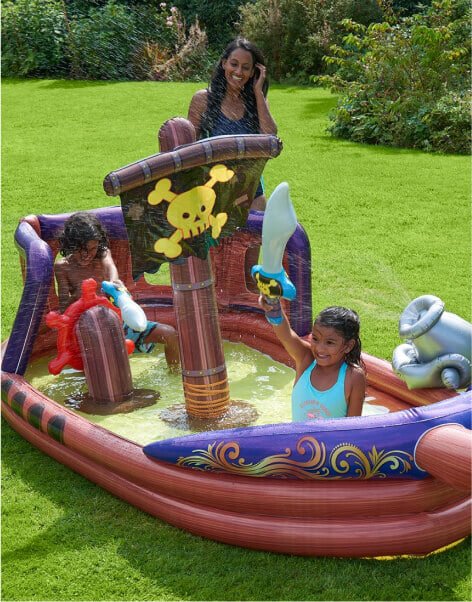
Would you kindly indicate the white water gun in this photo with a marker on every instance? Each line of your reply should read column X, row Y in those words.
column 131, row 313
column 278, row 226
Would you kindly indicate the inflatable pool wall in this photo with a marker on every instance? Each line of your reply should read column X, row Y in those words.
column 384, row 485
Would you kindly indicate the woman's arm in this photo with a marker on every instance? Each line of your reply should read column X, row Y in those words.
column 357, row 394
column 197, row 107
column 267, row 124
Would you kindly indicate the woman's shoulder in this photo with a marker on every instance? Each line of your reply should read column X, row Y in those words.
column 200, row 98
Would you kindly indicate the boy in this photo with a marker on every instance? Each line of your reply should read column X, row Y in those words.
column 85, row 249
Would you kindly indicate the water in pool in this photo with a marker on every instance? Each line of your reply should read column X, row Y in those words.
column 254, row 378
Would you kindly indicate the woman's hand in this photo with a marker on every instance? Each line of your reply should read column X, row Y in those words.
column 259, row 78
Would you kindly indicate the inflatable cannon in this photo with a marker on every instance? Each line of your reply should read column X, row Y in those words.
column 437, row 351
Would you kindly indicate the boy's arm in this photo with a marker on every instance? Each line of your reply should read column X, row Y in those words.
column 63, row 291
column 297, row 348
column 357, row 395
column 110, row 270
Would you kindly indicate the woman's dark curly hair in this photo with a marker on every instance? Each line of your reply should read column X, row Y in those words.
column 217, row 87
column 346, row 322
column 80, row 229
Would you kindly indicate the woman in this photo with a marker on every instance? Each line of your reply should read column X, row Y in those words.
column 235, row 101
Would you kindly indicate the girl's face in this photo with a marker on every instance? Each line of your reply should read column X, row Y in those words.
column 238, row 68
column 328, row 346
column 86, row 254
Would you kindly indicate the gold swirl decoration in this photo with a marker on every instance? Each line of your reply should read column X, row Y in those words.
column 344, row 458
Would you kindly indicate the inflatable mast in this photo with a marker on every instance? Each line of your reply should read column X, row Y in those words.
column 204, row 375
column 176, row 206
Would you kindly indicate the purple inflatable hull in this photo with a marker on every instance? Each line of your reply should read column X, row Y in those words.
column 353, row 448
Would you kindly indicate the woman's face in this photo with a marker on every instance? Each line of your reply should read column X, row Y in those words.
column 238, row 68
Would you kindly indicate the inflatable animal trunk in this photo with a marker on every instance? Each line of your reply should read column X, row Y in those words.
column 437, row 351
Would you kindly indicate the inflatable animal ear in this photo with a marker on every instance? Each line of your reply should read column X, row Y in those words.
column 437, row 351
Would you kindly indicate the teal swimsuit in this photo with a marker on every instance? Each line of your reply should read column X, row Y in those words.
column 310, row 404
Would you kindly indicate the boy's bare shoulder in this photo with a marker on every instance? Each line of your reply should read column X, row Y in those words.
column 62, row 268
column 61, row 265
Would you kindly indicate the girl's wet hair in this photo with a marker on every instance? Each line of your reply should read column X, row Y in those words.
column 79, row 229
column 346, row 322
column 217, row 87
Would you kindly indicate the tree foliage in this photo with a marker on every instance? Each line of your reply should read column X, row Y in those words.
column 102, row 39
column 33, row 38
column 406, row 82
column 294, row 35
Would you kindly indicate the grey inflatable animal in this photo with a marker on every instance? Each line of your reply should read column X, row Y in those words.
column 437, row 351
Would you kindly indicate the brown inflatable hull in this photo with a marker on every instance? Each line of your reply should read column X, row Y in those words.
column 314, row 518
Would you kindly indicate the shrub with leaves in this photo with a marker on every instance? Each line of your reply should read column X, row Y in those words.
column 217, row 17
column 33, row 38
column 294, row 35
column 405, row 82
column 103, row 42
column 186, row 58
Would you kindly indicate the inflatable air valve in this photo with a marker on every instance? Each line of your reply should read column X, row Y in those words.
column 279, row 225
column 131, row 313
column 438, row 346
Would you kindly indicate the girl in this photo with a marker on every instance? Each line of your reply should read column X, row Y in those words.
column 85, row 249
column 235, row 101
column 330, row 379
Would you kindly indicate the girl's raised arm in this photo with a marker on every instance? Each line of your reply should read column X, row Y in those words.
column 298, row 349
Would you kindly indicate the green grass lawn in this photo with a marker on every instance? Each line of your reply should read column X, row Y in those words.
column 385, row 225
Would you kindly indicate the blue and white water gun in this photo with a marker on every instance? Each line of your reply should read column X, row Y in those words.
column 278, row 226
column 131, row 313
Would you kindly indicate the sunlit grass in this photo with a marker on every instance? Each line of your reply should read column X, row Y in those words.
column 385, row 225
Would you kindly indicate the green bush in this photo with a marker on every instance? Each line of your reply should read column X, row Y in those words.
column 217, row 17
column 33, row 38
column 186, row 58
column 294, row 36
column 405, row 83
column 448, row 123
column 100, row 39
column 101, row 45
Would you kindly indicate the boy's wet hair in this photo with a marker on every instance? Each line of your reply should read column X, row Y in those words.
column 217, row 86
column 79, row 229
column 346, row 322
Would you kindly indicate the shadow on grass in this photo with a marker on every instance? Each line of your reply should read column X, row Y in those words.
column 318, row 107
column 58, row 84
column 72, row 84
column 191, row 567
column 366, row 149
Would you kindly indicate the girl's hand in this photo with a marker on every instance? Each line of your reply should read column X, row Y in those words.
column 259, row 77
column 263, row 303
column 267, row 307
